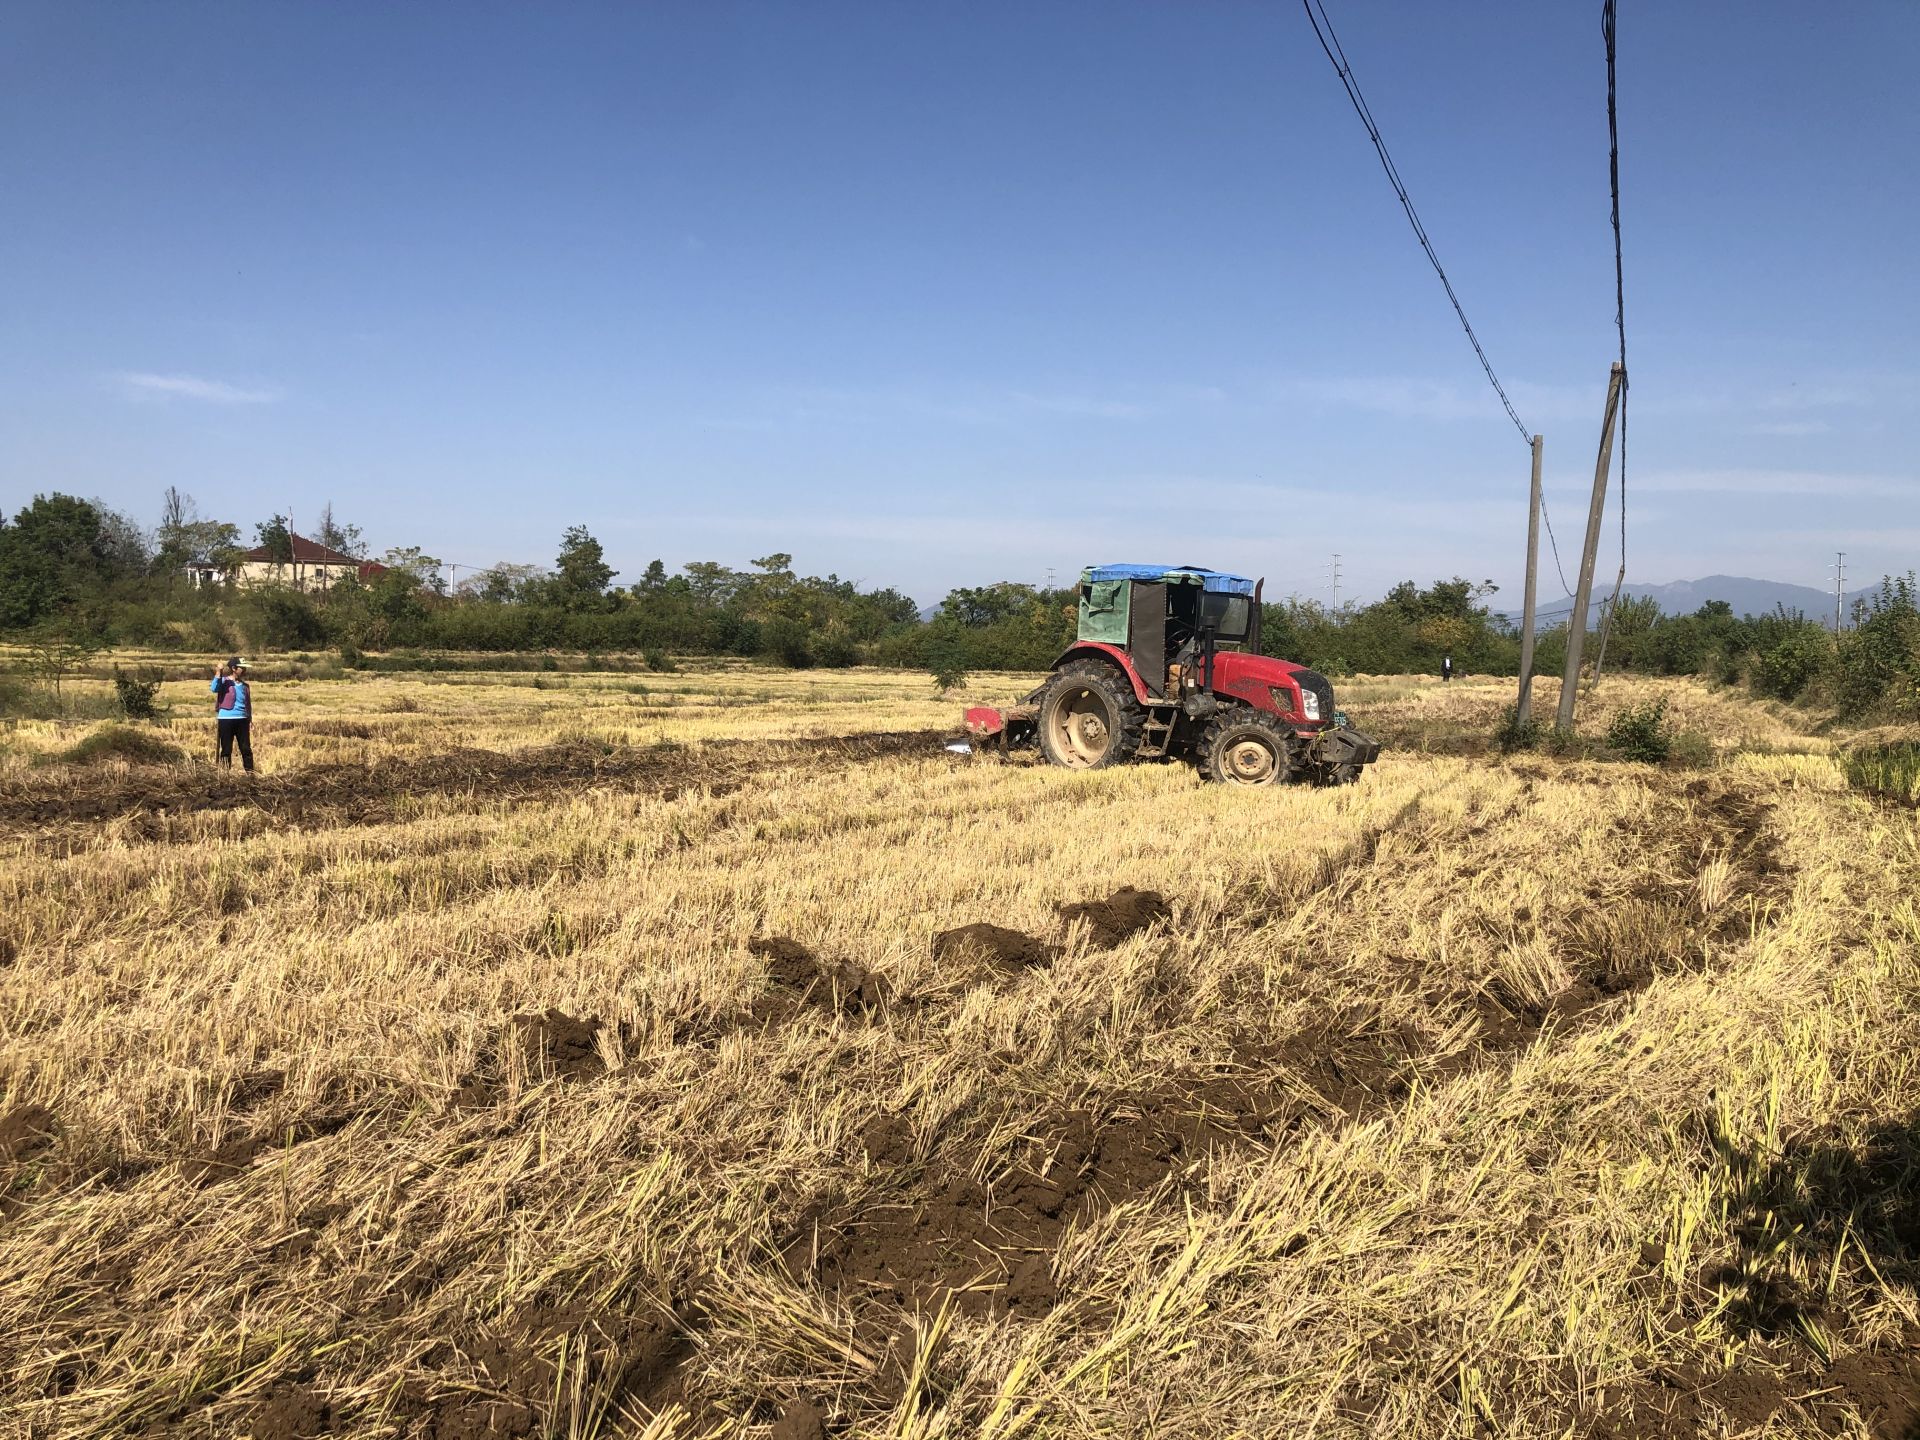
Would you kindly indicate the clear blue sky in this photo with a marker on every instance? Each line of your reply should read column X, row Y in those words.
column 934, row 295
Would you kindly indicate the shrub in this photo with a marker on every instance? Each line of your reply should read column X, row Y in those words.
column 659, row 662
column 136, row 693
column 1512, row 735
column 1639, row 732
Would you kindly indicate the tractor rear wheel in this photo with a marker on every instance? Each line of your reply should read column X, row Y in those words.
column 1247, row 747
column 1089, row 717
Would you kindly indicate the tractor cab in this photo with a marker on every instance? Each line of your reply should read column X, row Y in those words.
column 1170, row 620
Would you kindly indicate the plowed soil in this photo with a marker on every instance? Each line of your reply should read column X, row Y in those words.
column 1120, row 916
column 342, row 794
column 995, row 945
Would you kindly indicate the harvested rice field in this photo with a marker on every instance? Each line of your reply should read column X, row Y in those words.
column 718, row 1053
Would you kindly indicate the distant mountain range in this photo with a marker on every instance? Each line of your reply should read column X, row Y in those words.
column 1746, row 596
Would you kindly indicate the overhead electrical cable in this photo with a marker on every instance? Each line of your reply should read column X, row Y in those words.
column 1330, row 42
column 1619, row 269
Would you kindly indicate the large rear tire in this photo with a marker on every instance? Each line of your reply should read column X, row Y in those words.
column 1248, row 747
column 1089, row 717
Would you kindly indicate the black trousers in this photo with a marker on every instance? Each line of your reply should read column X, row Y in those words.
column 232, row 732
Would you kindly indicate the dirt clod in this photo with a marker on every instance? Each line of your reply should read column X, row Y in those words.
column 25, row 1129
column 561, row 1046
column 1123, row 914
column 997, row 945
column 292, row 1412
column 802, row 1420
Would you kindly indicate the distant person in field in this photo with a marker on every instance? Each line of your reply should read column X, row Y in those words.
column 233, row 706
column 1446, row 668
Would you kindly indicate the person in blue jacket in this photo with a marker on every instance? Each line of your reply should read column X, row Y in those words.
column 233, row 703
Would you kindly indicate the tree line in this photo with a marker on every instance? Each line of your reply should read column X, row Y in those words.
column 75, row 569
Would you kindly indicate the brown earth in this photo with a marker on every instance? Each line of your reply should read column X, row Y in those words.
column 629, row 1345
column 796, row 970
column 292, row 1412
column 347, row 794
column 1123, row 914
column 560, row 1046
column 801, row 1420
column 235, row 1156
column 1877, row 1392
column 24, row 1129
column 995, row 944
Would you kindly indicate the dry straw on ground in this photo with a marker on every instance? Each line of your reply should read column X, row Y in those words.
column 640, row 1057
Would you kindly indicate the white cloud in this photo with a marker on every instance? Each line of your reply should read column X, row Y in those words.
column 193, row 387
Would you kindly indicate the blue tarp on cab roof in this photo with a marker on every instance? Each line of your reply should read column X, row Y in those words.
column 1217, row 581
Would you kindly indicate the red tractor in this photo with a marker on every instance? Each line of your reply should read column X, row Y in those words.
column 1168, row 663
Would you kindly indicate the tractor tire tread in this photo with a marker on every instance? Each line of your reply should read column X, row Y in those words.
column 1130, row 715
column 1238, row 717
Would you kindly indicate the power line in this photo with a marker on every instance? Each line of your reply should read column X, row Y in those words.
column 1330, row 42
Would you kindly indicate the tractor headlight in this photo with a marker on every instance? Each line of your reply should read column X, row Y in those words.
column 1309, row 702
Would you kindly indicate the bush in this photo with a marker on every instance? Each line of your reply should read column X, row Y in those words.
column 121, row 742
column 136, row 693
column 660, row 662
column 1512, row 735
column 1639, row 732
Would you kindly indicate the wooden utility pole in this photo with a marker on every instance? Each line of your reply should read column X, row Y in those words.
column 1523, row 709
column 1596, row 509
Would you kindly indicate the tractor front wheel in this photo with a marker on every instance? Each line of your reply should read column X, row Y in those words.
column 1089, row 717
column 1247, row 747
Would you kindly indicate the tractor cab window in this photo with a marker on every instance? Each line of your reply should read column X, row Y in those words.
column 1229, row 614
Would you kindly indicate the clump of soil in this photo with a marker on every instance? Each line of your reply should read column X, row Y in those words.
column 236, row 1156
column 1123, row 914
column 561, row 1046
column 292, row 1412
column 9, row 951
column 802, row 1420
column 992, row 1244
column 997, row 945
column 25, row 1129
column 631, row 1353
column 792, row 967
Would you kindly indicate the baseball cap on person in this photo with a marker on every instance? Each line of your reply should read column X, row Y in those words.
column 239, row 662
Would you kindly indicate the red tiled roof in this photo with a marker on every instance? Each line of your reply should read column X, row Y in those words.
column 312, row 552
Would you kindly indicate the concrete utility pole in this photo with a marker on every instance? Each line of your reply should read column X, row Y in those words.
column 1523, row 709
column 1839, row 588
column 1596, row 509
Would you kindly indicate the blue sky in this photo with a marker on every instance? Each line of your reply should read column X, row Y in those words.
column 936, row 295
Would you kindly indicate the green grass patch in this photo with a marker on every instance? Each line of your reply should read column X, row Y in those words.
column 1892, row 770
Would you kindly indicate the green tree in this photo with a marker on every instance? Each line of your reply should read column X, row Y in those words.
column 55, row 551
column 581, row 573
column 273, row 536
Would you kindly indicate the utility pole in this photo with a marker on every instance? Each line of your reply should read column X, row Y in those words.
column 1336, row 584
column 1523, row 709
column 1839, row 587
column 1596, row 509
